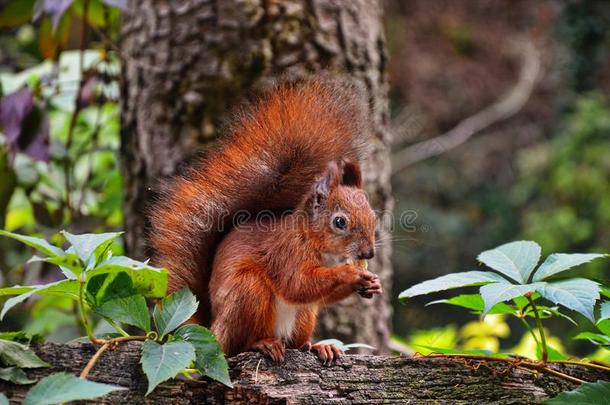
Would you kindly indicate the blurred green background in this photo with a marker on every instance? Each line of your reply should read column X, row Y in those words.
column 541, row 174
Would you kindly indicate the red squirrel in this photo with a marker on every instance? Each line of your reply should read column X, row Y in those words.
column 273, row 223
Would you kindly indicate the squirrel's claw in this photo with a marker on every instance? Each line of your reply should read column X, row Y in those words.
column 272, row 348
column 325, row 352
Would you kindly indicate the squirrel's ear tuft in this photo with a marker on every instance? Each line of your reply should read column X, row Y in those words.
column 324, row 185
column 352, row 176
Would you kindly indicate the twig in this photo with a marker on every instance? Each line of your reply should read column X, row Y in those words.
column 530, row 365
column 501, row 110
column 584, row 363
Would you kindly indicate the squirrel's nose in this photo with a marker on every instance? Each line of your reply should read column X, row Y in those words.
column 367, row 253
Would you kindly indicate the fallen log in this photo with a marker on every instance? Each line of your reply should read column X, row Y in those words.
column 302, row 379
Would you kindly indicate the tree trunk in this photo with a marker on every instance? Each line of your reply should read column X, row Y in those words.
column 302, row 379
column 186, row 63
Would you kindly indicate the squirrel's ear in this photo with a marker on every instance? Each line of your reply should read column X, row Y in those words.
column 352, row 176
column 323, row 186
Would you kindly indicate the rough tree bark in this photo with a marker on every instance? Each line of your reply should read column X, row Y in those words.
column 360, row 379
column 186, row 63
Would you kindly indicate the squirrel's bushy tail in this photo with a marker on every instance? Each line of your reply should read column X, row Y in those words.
column 268, row 160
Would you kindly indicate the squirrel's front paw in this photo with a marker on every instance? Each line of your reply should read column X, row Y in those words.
column 325, row 352
column 374, row 288
column 367, row 284
column 272, row 348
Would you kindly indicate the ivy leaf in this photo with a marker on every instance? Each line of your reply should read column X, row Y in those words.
column 587, row 393
column 62, row 288
column 494, row 293
column 147, row 280
column 162, row 362
column 174, row 310
column 37, row 243
column 577, row 294
column 63, row 387
column 454, row 280
column 114, row 297
column 558, row 262
column 91, row 246
column 210, row 360
column 16, row 354
column 475, row 303
column 514, row 259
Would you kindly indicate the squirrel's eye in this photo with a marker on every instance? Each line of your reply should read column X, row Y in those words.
column 340, row 223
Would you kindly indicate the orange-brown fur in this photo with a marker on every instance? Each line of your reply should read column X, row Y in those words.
column 296, row 154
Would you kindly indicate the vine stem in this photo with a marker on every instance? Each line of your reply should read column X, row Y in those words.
column 543, row 346
column 93, row 360
column 531, row 331
column 81, row 311
column 529, row 365
column 106, row 344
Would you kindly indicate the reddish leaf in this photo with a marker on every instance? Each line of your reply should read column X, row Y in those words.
column 13, row 109
column 25, row 125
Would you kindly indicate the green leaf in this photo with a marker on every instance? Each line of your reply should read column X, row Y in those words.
column 91, row 246
column 69, row 264
column 494, row 293
column 63, row 387
column 475, row 352
column 16, row 354
column 210, row 360
column 604, row 326
column 595, row 338
column 114, row 297
column 16, row 13
column 147, row 280
column 454, row 280
column 604, row 311
column 62, row 288
column 558, row 262
column 589, row 393
column 174, row 310
column 15, row 375
column 3, row 399
column 514, row 259
column 475, row 303
column 37, row 243
column 552, row 354
column 577, row 294
column 162, row 362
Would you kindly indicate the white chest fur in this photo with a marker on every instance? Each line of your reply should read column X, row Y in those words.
column 285, row 318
